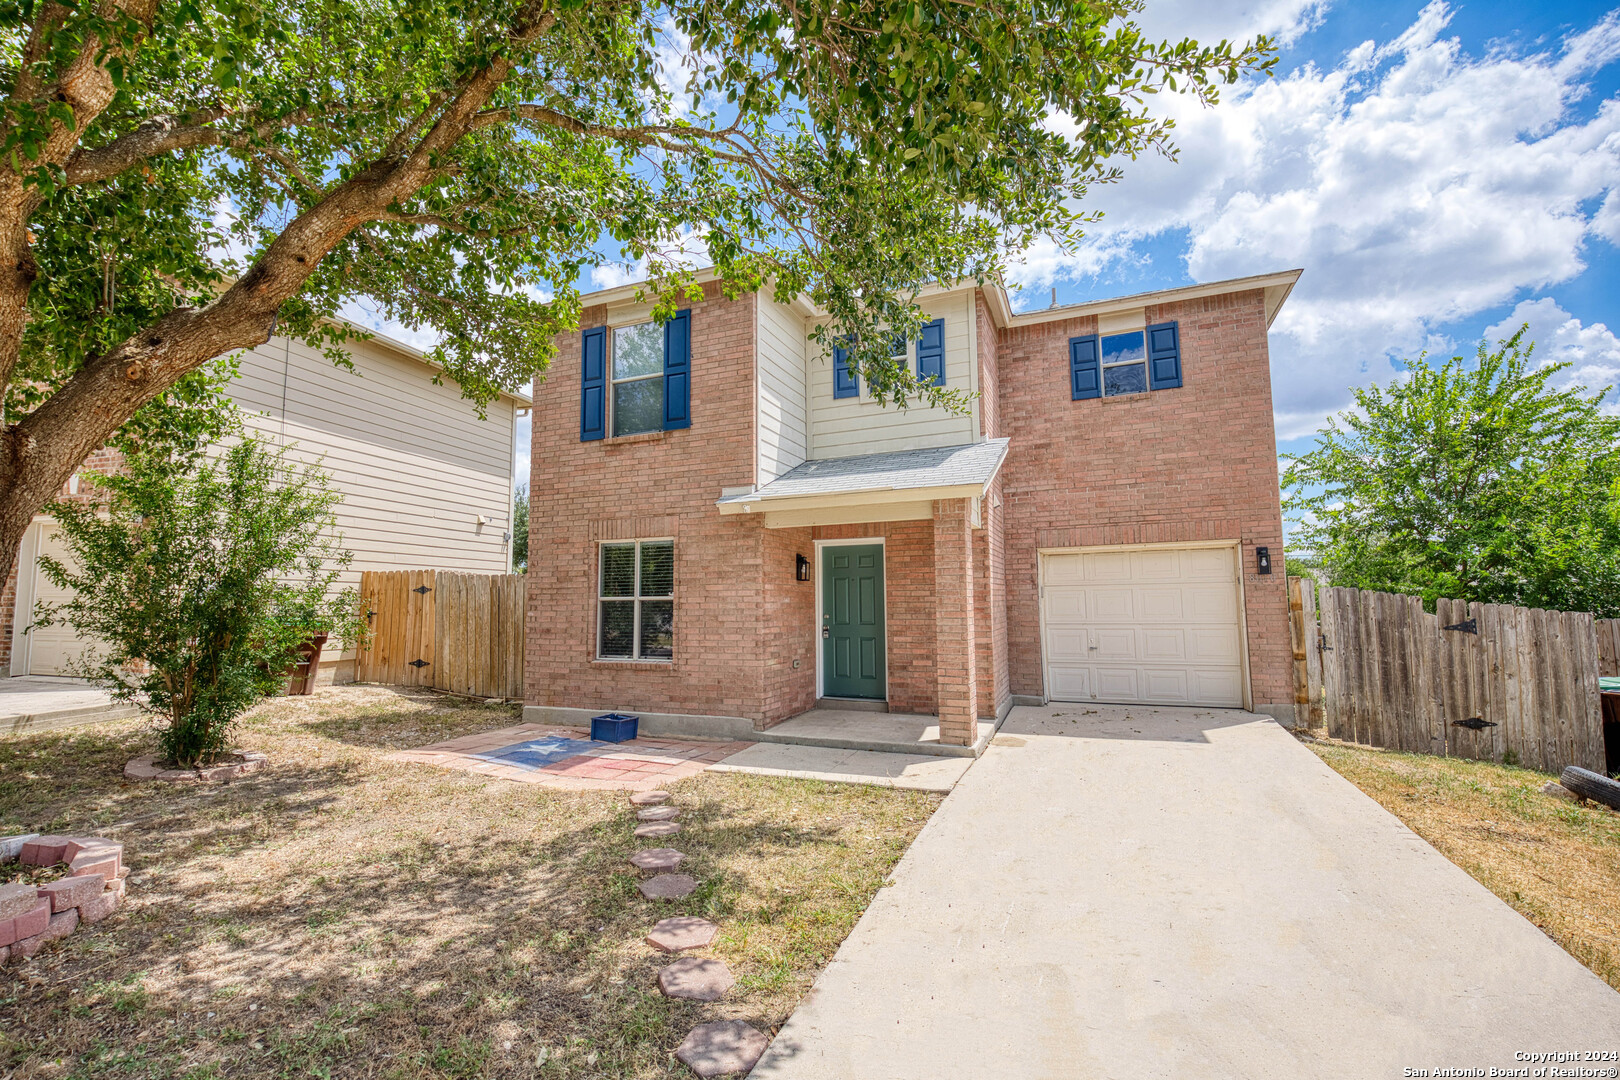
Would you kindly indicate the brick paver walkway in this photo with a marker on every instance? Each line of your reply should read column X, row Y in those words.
column 545, row 754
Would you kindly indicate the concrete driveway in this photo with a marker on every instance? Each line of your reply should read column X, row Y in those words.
column 1137, row 892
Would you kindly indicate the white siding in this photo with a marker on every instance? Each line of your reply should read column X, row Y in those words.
column 783, row 436
column 842, row 427
column 415, row 465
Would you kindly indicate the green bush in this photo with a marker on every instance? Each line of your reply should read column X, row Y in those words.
column 196, row 582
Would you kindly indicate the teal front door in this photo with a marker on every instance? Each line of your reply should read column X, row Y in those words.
column 852, row 621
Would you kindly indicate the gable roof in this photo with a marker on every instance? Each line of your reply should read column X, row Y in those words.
column 1277, row 287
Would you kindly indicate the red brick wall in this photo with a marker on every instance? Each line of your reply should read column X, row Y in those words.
column 1194, row 463
column 103, row 462
column 955, row 648
column 787, row 615
column 654, row 485
column 989, row 373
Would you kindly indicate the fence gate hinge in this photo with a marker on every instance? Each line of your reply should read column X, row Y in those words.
column 419, row 663
column 1321, row 643
column 423, row 589
column 1468, row 626
column 1474, row 723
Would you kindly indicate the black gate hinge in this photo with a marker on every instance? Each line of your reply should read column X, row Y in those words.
column 419, row 663
column 423, row 589
column 1468, row 626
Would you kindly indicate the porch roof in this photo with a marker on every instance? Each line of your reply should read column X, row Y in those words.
column 906, row 477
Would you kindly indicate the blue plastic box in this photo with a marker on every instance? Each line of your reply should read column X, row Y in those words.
column 614, row 727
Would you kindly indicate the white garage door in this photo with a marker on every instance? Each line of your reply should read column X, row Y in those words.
column 48, row 650
column 1152, row 626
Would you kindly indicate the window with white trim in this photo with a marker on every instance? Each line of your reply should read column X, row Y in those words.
column 638, row 379
column 1124, row 364
column 636, row 600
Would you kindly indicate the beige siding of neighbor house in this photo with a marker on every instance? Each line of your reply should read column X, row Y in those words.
column 842, row 427
column 415, row 465
column 783, row 436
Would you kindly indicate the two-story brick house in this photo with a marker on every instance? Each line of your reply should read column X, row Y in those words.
column 725, row 524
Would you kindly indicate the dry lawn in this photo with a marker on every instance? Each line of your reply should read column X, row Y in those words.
column 339, row 915
column 1556, row 863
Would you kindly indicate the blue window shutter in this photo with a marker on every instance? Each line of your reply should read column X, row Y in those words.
column 931, row 353
column 678, row 371
column 1164, row 356
column 845, row 381
column 593, row 384
column 1085, row 368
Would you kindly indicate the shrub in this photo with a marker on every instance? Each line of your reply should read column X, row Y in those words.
column 197, row 580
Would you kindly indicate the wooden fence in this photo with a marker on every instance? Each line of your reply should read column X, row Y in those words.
column 1608, row 632
column 451, row 631
column 1486, row 681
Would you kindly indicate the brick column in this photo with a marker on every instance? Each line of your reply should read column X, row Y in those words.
column 955, row 652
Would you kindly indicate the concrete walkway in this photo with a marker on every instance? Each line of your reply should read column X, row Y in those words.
column 42, row 702
column 1115, row 892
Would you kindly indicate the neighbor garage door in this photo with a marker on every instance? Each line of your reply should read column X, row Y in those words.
column 52, row 649
column 1151, row 625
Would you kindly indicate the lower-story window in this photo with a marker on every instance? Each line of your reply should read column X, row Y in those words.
column 636, row 600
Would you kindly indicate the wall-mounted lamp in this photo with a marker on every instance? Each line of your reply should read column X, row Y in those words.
column 801, row 568
column 1262, row 560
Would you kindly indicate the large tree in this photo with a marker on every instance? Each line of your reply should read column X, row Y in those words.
column 1477, row 481
column 181, row 178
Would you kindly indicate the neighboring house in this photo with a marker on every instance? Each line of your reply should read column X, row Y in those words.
column 725, row 524
column 425, row 482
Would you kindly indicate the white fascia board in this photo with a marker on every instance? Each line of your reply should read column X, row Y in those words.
column 873, row 497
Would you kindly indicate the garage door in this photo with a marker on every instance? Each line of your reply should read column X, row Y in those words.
column 1153, row 626
column 49, row 650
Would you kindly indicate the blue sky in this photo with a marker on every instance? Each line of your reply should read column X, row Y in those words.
column 1442, row 172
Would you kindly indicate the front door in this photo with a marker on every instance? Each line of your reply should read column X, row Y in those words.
column 852, row 621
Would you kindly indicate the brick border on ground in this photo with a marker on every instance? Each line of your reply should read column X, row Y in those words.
column 93, row 886
column 147, row 768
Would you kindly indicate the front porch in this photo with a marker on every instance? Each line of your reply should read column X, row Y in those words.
column 888, row 733
column 908, row 608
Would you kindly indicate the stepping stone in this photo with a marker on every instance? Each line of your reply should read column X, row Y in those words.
column 696, row 980
column 659, row 858
column 668, row 886
column 658, row 828
column 659, row 813
column 649, row 798
column 722, row 1048
column 681, row 932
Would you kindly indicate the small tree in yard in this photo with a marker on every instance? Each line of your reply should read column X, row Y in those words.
column 1477, row 483
column 197, row 580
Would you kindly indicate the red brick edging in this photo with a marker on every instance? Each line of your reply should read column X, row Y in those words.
column 146, row 768
column 32, row 915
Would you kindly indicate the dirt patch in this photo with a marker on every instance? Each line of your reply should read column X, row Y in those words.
column 338, row 914
column 1556, row 863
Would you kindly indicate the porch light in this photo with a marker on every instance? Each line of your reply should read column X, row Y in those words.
column 801, row 568
column 1262, row 560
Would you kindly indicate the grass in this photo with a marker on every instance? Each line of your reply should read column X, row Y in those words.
column 1556, row 863
column 340, row 915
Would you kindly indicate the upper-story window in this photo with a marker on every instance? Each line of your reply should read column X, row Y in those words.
column 1124, row 364
column 1134, row 362
column 638, row 379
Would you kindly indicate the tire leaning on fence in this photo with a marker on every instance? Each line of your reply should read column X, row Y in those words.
column 1591, row 785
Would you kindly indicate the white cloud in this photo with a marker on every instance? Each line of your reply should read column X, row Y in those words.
column 1592, row 352
column 1208, row 23
column 1416, row 185
column 686, row 249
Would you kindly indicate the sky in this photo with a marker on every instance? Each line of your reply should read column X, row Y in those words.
column 1441, row 172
